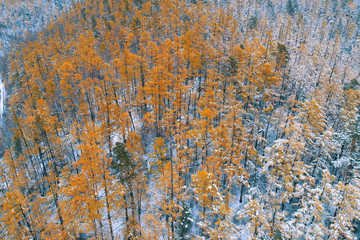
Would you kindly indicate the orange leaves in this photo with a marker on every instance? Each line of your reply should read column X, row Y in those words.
column 157, row 90
column 314, row 114
column 67, row 69
column 257, row 217
column 208, row 114
column 205, row 188
column 85, row 187
column 13, row 209
column 159, row 154
column 268, row 74
column 189, row 40
column 134, row 145
column 149, row 120
column 171, row 74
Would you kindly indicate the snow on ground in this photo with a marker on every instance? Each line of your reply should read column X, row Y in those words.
column 2, row 97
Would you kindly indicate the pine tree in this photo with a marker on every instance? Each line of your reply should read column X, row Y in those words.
column 184, row 222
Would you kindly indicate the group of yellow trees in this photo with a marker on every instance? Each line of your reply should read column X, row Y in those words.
column 131, row 118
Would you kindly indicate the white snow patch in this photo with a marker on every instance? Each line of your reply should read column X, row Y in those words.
column 2, row 97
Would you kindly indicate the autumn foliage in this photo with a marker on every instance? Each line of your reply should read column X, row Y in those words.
column 129, row 118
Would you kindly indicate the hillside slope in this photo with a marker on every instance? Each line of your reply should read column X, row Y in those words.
column 171, row 119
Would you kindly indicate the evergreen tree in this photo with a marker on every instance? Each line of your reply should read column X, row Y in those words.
column 184, row 222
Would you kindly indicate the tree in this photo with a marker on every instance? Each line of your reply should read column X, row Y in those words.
column 184, row 223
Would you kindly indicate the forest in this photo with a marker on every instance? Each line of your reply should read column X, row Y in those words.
column 180, row 119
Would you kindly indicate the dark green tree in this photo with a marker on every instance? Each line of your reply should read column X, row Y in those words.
column 291, row 6
column 277, row 235
column 252, row 23
column 184, row 223
column 17, row 147
column 282, row 55
column 122, row 163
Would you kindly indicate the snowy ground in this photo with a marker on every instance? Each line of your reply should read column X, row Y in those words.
column 2, row 97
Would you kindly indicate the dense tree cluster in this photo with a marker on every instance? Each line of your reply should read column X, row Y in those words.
column 20, row 19
column 177, row 119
